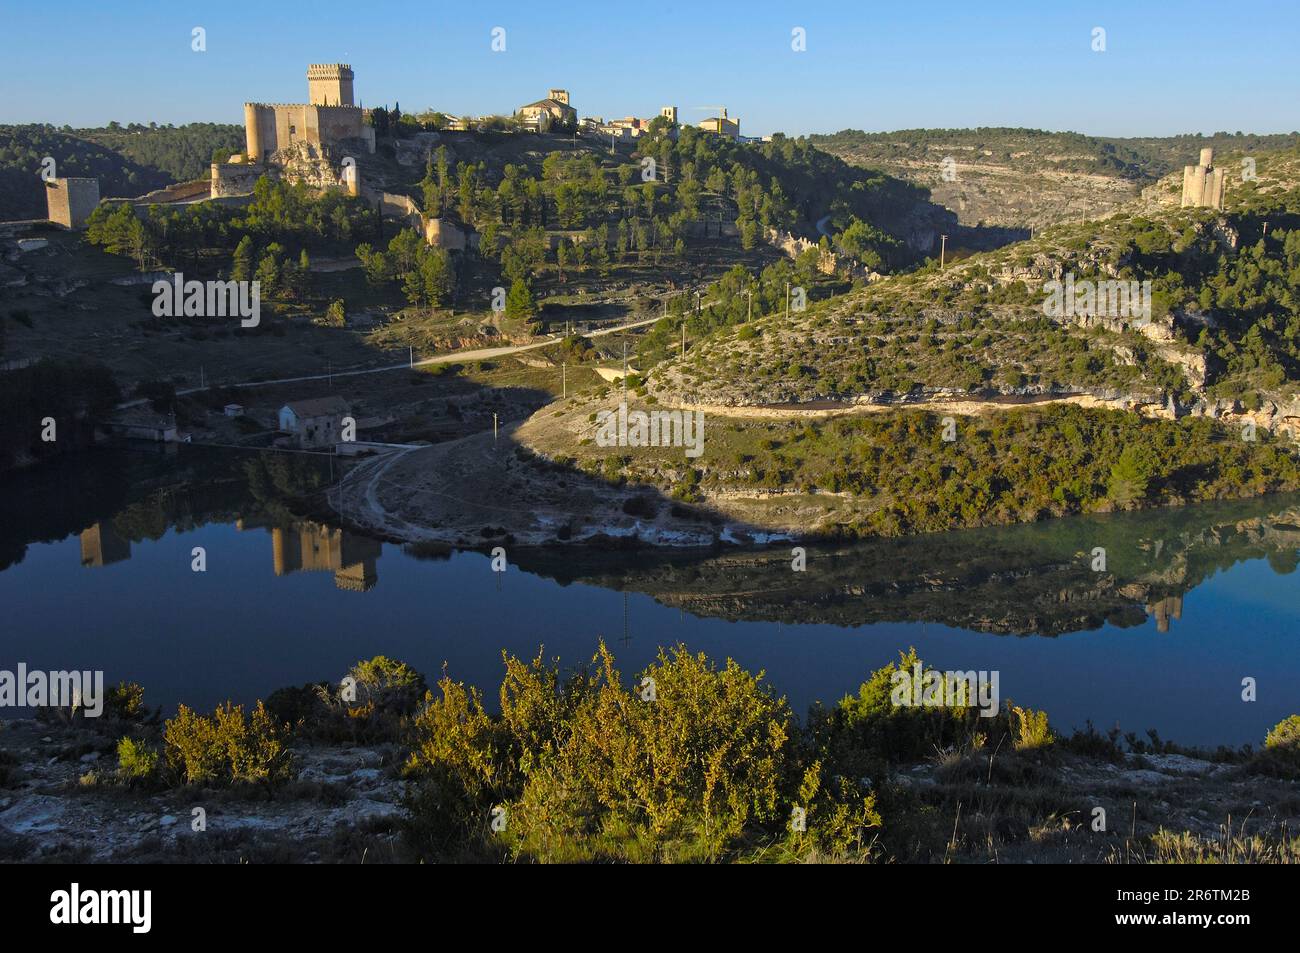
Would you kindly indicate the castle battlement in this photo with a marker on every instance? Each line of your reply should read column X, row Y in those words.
column 328, row 118
column 297, row 106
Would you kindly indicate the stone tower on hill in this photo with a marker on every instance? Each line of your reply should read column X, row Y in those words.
column 329, row 123
column 1203, row 183
column 329, row 84
column 70, row 201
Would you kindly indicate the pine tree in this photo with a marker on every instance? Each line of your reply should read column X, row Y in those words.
column 519, row 302
column 241, row 264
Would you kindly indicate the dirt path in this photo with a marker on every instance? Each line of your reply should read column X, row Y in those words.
column 964, row 408
column 449, row 358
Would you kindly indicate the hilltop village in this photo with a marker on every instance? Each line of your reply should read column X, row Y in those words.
column 320, row 142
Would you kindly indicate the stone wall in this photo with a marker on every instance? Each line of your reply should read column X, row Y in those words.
column 234, row 178
column 444, row 234
column 828, row 263
column 273, row 127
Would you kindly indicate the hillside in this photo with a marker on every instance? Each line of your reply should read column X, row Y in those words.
column 1224, row 323
column 128, row 161
column 891, row 409
column 1030, row 178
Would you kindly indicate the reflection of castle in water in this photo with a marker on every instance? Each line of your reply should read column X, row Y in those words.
column 101, row 545
column 1170, row 607
column 315, row 547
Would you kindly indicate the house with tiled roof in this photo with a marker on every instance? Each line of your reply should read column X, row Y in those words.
column 316, row 422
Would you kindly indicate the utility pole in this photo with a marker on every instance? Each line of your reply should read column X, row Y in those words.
column 564, row 379
column 410, row 354
column 494, row 428
column 943, row 248
column 749, row 293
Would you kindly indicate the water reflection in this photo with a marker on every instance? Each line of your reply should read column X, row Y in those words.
column 315, row 547
column 1036, row 579
column 86, row 551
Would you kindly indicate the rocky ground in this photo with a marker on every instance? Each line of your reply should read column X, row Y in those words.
column 58, row 802
column 478, row 491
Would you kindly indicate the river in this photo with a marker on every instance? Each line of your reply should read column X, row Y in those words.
column 96, row 573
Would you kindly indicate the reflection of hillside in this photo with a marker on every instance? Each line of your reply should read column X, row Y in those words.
column 1022, row 580
column 314, row 547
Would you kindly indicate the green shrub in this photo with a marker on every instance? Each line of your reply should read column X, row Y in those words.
column 1281, row 754
column 1032, row 730
column 1285, row 736
column 136, row 762
column 692, row 763
column 227, row 748
column 370, row 704
column 869, row 730
column 125, row 702
column 387, row 684
column 462, row 767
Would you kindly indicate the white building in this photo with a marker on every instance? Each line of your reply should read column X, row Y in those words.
column 317, row 422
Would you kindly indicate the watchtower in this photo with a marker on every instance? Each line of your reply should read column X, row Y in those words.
column 70, row 201
column 329, row 84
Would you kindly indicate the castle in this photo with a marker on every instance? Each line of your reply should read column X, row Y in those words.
column 328, row 120
column 70, row 201
column 1203, row 183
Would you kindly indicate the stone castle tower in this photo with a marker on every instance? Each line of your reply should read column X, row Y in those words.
column 330, row 120
column 1203, row 183
column 329, row 84
column 70, row 201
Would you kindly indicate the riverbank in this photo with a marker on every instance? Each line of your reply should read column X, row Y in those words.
column 827, row 473
column 396, row 780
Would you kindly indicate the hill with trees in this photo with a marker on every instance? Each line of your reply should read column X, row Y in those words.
column 1030, row 177
column 127, row 160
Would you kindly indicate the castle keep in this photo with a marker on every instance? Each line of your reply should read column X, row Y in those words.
column 70, row 201
column 327, row 121
column 1203, row 183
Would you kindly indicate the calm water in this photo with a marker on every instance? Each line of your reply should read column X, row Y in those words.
column 97, row 576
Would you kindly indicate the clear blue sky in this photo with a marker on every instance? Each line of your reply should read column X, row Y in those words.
column 1169, row 67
